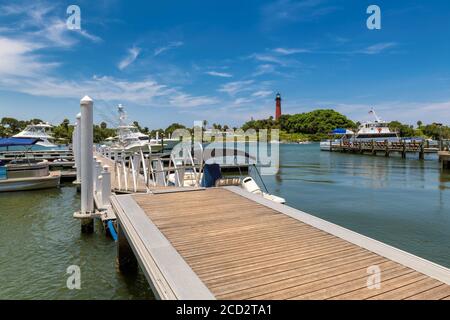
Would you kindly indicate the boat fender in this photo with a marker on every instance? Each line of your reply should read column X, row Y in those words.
column 112, row 230
column 250, row 185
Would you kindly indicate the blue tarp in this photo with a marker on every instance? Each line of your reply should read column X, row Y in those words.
column 339, row 131
column 9, row 142
column 211, row 172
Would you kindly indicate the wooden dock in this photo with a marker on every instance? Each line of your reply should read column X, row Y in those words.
column 444, row 158
column 49, row 155
column 384, row 147
column 225, row 243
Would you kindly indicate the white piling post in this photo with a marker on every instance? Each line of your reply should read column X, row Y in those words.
column 98, row 172
column 106, row 185
column 87, row 179
column 77, row 149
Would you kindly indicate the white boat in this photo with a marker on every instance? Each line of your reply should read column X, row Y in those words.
column 130, row 139
column 26, row 175
column 338, row 137
column 41, row 131
column 377, row 130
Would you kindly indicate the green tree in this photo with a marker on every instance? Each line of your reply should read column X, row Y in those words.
column 170, row 129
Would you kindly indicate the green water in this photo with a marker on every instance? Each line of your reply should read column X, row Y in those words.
column 405, row 203
column 39, row 239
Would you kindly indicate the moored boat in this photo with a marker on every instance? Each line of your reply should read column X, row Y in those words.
column 376, row 130
column 26, row 174
column 41, row 131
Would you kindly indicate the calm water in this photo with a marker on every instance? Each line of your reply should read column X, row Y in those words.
column 401, row 202
column 405, row 203
column 39, row 239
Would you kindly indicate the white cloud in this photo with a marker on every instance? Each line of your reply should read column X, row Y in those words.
column 289, row 51
column 281, row 11
column 262, row 93
column 242, row 101
column 219, row 74
column 379, row 47
column 268, row 58
column 133, row 53
column 236, row 86
column 41, row 23
column 264, row 69
column 186, row 101
column 16, row 58
column 171, row 45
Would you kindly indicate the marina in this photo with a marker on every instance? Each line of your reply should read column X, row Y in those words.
column 145, row 225
column 219, row 159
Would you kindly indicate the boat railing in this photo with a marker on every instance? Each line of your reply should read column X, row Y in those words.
column 139, row 171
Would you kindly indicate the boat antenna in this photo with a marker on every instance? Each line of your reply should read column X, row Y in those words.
column 122, row 114
column 372, row 111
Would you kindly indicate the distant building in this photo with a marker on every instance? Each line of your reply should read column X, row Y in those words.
column 278, row 106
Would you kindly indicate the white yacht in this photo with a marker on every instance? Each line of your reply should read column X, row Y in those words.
column 41, row 131
column 376, row 130
column 129, row 138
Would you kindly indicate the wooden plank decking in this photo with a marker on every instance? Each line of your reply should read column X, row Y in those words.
column 240, row 246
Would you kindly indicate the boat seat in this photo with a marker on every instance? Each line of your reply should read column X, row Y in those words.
column 228, row 182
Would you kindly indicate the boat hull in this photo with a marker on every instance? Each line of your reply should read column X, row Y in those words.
column 32, row 183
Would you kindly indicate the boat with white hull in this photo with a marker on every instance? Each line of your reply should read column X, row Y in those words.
column 377, row 130
column 130, row 139
column 41, row 131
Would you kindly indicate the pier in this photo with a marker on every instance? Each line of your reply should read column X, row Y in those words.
column 50, row 155
column 384, row 147
column 225, row 243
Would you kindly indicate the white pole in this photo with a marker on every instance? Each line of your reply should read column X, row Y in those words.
column 77, row 148
column 106, row 185
column 87, row 137
column 98, row 172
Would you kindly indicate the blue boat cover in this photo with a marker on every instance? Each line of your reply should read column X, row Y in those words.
column 9, row 142
column 339, row 131
column 211, row 172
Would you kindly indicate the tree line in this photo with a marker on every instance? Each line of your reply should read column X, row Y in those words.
column 314, row 126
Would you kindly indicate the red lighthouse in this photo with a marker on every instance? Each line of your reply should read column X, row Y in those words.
column 278, row 107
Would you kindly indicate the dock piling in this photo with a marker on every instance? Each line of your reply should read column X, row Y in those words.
column 87, row 186
column 77, row 149
column 106, row 185
column 126, row 260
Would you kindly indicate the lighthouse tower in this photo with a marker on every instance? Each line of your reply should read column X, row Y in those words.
column 278, row 107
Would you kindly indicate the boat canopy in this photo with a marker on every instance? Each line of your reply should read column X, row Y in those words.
column 342, row 131
column 9, row 142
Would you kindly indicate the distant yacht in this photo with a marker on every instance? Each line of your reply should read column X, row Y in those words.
column 129, row 138
column 42, row 131
column 376, row 130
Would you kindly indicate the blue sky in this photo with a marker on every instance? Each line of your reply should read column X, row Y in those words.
column 224, row 61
